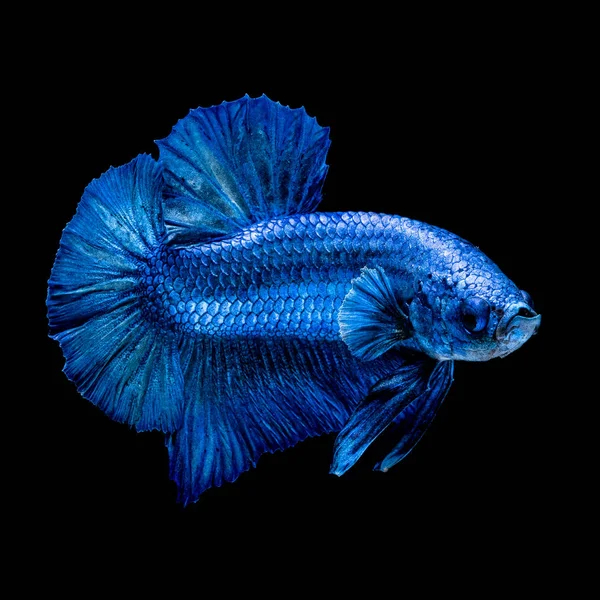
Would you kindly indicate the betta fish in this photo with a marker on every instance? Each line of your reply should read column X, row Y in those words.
column 203, row 295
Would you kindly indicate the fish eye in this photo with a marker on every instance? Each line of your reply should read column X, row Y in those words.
column 475, row 314
column 528, row 299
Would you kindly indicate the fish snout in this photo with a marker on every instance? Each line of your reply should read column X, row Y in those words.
column 518, row 323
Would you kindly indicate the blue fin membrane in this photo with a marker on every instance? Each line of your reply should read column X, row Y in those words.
column 116, row 358
column 245, row 398
column 238, row 163
column 422, row 384
column 371, row 318
column 411, row 424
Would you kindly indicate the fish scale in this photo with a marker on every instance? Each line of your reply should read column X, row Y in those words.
column 284, row 277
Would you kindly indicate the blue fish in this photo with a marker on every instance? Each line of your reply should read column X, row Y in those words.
column 204, row 296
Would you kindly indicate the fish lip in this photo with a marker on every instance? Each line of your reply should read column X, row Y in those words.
column 512, row 320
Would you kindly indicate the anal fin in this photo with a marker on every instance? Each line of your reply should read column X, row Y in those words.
column 247, row 397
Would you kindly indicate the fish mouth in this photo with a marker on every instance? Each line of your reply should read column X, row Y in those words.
column 518, row 324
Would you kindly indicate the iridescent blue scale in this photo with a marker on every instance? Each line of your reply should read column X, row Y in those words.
column 292, row 286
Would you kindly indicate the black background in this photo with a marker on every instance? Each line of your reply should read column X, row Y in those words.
column 458, row 135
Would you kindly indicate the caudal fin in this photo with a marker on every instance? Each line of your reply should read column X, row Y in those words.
column 115, row 355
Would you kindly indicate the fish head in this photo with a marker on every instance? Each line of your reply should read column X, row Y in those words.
column 475, row 313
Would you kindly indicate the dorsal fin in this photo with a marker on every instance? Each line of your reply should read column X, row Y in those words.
column 239, row 163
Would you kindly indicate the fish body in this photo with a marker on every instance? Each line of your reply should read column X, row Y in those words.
column 205, row 296
column 288, row 277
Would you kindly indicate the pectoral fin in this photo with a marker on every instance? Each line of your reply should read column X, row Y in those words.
column 409, row 399
column 371, row 317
